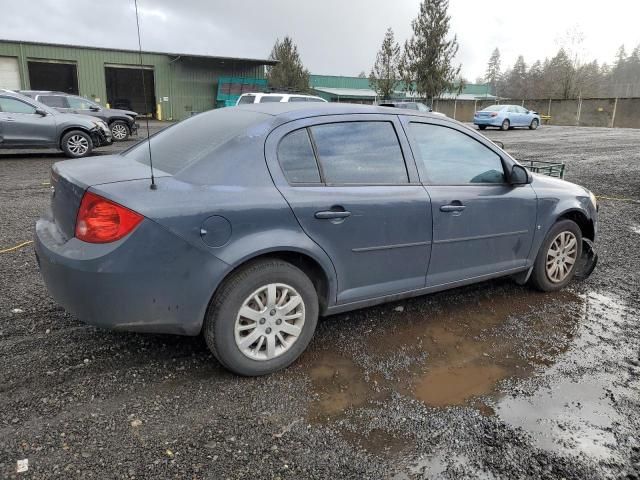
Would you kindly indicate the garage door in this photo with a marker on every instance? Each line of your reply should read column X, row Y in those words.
column 9, row 73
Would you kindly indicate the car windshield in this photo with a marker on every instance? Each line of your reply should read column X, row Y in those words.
column 493, row 108
column 186, row 142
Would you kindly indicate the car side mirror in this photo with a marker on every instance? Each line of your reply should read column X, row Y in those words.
column 519, row 175
column 41, row 112
column 498, row 143
column 94, row 108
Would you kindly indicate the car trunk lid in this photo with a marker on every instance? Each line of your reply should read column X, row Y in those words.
column 71, row 178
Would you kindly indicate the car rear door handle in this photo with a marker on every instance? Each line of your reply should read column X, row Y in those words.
column 452, row 208
column 328, row 214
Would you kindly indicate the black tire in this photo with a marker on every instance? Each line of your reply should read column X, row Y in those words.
column 506, row 124
column 539, row 278
column 120, row 130
column 534, row 124
column 219, row 324
column 482, row 127
column 72, row 142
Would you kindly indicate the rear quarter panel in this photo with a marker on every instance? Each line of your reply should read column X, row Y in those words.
column 235, row 185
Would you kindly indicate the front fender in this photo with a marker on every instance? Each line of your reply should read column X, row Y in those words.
column 553, row 208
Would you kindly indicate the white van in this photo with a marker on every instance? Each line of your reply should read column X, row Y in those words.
column 276, row 97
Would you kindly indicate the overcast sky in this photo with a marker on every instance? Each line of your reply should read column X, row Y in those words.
column 336, row 37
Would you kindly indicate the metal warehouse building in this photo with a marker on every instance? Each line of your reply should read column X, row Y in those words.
column 177, row 85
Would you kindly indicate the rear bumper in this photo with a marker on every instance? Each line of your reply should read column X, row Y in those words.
column 150, row 281
column 491, row 122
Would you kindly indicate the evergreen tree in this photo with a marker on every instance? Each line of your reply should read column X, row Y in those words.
column 429, row 52
column 289, row 73
column 492, row 75
column 384, row 76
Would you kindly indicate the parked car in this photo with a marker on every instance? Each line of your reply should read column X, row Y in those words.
column 506, row 117
column 276, row 97
column 421, row 107
column 266, row 216
column 122, row 122
column 26, row 123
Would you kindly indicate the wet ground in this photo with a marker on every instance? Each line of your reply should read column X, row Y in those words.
column 489, row 381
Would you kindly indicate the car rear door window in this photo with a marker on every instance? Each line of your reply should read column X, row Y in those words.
column 297, row 159
column 359, row 153
column 450, row 157
column 270, row 98
column 297, row 99
column 55, row 101
column 13, row 105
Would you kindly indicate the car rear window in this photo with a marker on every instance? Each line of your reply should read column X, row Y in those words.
column 297, row 159
column 360, row 153
column 186, row 142
column 55, row 101
column 247, row 99
column 493, row 108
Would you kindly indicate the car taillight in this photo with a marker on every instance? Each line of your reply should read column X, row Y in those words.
column 102, row 221
column 494, row 114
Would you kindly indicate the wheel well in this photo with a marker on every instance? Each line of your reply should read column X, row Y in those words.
column 71, row 129
column 305, row 263
column 586, row 225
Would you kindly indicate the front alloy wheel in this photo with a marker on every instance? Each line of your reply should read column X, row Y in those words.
column 119, row 131
column 270, row 321
column 78, row 145
column 555, row 263
column 561, row 256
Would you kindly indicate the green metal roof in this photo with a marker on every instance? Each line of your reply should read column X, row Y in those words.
column 178, row 55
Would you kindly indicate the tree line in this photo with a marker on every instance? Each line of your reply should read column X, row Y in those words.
column 565, row 76
column 424, row 67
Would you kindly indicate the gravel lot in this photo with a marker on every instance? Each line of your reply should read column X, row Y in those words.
column 492, row 381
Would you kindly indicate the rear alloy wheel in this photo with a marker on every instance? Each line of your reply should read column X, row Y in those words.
column 555, row 264
column 534, row 124
column 505, row 124
column 262, row 318
column 76, row 144
column 119, row 131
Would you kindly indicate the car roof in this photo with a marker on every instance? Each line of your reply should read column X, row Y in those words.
column 294, row 110
column 47, row 92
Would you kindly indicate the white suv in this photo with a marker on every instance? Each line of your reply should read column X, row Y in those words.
column 276, row 97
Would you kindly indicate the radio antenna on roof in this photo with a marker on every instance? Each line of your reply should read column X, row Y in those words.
column 153, row 185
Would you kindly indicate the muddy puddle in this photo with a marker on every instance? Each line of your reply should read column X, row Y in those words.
column 466, row 351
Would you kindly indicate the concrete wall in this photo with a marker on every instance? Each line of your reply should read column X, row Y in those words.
column 591, row 112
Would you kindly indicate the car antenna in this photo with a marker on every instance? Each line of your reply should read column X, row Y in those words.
column 153, row 185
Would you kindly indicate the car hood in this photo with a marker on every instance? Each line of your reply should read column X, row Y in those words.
column 553, row 183
column 117, row 111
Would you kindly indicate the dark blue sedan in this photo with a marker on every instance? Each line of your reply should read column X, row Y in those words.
column 264, row 217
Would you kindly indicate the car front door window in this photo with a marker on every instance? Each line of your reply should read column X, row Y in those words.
column 449, row 157
column 13, row 105
column 78, row 103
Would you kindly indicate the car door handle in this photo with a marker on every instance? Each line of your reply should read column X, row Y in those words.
column 328, row 214
column 452, row 208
